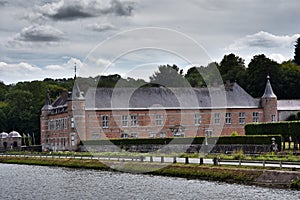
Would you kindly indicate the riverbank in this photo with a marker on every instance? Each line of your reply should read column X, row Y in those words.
column 255, row 176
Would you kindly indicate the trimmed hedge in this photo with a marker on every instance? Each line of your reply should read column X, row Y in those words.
column 252, row 139
column 286, row 129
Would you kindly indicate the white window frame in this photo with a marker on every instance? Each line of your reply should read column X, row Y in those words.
column 255, row 117
column 197, row 119
column 153, row 135
column 124, row 120
column 273, row 118
column 105, row 121
column 217, row 118
column 208, row 133
column 228, row 119
column 134, row 135
column 162, row 134
column 242, row 118
column 124, row 135
column 159, row 119
column 133, row 120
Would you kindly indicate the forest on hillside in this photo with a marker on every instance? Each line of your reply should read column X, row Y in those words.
column 21, row 103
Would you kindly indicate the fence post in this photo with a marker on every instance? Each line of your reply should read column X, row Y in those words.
column 215, row 161
column 186, row 160
column 162, row 159
column 174, row 160
column 264, row 163
column 240, row 162
column 151, row 159
column 142, row 158
column 201, row 161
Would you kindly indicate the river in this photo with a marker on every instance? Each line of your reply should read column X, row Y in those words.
column 41, row 182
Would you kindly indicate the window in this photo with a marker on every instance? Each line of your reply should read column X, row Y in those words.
column 217, row 118
column 163, row 134
column 72, row 123
column 228, row 118
column 133, row 119
column 124, row 135
column 159, row 120
column 242, row 118
column 124, row 120
column 255, row 117
column 208, row 133
column 134, row 135
column 152, row 135
column 273, row 118
column 105, row 121
column 197, row 119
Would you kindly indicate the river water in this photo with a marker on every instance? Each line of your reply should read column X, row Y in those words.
column 39, row 182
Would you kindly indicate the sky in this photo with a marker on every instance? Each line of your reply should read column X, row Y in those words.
column 47, row 38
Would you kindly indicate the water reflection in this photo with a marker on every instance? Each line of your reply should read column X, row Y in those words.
column 38, row 182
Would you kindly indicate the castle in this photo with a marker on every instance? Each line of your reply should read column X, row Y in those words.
column 104, row 113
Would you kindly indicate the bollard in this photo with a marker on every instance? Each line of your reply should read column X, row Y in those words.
column 201, row 161
column 151, row 159
column 186, row 160
column 174, row 160
column 264, row 163
column 162, row 159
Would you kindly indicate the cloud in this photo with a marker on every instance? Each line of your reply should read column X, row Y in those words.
column 264, row 40
column 40, row 33
column 36, row 35
column 100, row 27
column 16, row 72
column 278, row 57
column 3, row 3
column 72, row 10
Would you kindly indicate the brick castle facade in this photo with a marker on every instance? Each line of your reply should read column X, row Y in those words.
column 155, row 112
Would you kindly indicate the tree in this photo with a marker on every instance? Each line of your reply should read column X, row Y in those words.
column 232, row 68
column 168, row 76
column 297, row 52
column 194, row 77
column 290, row 78
column 258, row 69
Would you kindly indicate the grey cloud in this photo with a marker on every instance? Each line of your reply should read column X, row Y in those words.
column 72, row 10
column 70, row 13
column 3, row 3
column 37, row 33
column 264, row 40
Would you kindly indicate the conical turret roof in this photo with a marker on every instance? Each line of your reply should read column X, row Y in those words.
column 268, row 90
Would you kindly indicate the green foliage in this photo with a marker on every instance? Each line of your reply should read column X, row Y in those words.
column 297, row 52
column 232, row 68
column 234, row 133
column 258, row 69
column 286, row 129
column 194, row 77
column 168, row 76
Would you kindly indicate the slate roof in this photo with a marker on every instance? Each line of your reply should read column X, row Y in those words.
column 286, row 105
column 230, row 96
column 268, row 90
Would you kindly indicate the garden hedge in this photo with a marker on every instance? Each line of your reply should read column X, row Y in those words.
column 285, row 129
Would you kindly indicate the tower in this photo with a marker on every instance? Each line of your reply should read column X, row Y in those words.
column 45, row 111
column 269, row 103
column 76, row 109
